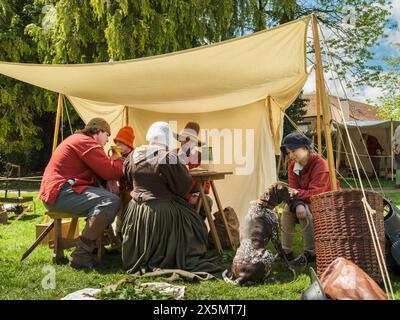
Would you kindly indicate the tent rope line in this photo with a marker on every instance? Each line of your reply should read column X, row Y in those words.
column 340, row 110
column 339, row 133
column 363, row 155
column 368, row 210
column 65, row 102
column 328, row 55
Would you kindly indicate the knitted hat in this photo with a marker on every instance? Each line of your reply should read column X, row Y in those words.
column 99, row 123
column 126, row 136
column 294, row 141
column 190, row 133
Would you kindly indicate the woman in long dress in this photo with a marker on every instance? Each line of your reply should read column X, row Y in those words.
column 160, row 230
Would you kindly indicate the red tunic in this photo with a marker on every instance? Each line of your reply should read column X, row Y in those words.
column 373, row 145
column 81, row 158
column 313, row 179
column 194, row 161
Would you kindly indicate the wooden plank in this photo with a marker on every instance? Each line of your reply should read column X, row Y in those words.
column 16, row 200
column 72, row 227
column 198, row 205
column 210, row 220
column 66, row 244
column 221, row 211
column 38, row 240
column 57, row 252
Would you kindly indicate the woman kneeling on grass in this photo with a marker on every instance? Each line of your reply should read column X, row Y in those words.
column 160, row 229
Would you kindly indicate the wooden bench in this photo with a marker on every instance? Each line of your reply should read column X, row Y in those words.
column 60, row 243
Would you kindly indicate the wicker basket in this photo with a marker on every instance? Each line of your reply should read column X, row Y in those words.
column 341, row 229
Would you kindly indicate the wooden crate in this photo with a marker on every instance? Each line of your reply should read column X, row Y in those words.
column 50, row 236
column 3, row 217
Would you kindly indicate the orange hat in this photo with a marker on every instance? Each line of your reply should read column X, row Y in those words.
column 125, row 135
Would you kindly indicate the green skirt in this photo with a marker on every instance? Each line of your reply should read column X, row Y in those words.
column 165, row 234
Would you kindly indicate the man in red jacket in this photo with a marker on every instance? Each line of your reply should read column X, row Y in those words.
column 309, row 174
column 374, row 151
column 70, row 184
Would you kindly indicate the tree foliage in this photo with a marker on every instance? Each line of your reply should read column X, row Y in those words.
column 87, row 31
column 389, row 102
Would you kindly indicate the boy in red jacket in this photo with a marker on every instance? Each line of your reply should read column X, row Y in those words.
column 191, row 156
column 71, row 184
column 309, row 174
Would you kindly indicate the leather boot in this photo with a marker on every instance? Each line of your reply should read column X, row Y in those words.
column 82, row 256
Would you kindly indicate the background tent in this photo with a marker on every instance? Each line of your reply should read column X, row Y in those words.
column 237, row 87
column 383, row 130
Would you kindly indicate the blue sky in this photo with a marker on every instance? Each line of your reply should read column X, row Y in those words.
column 385, row 48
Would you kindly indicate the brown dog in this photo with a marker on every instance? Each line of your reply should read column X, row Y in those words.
column 253, row 261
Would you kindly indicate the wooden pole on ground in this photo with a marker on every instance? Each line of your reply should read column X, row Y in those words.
column 324, row 103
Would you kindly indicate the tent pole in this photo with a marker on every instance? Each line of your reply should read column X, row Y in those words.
column 318, row 105
column 338, row 149
column 126, row 116
column 278, row 169
column 391, row 147
column 324, row 104
column 56, row 130
column 58, row 116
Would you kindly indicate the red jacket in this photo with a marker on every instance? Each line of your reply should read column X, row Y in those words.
column 313, row 179
column 373, row 145
column 194, row 161
column 81, row 158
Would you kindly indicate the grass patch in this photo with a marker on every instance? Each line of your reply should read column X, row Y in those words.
column 23, row 280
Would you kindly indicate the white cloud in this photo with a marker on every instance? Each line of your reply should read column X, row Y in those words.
column 368, row 94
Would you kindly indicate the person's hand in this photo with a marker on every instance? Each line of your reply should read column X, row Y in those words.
column 193, row 200
column 115, row 156
column 112, row 186
column 378, row 152
column 301, row 212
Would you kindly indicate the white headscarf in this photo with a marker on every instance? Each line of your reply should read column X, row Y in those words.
column 160, row 133
column 159, row 136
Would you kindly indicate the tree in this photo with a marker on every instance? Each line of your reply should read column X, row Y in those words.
column 86, row 31
column 389, row 102
column 295, row 112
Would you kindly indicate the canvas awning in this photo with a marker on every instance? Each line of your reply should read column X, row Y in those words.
column 233, row 73
column 243, row 83
column 382, row 130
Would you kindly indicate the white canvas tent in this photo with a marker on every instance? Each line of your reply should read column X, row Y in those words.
column 239, row 86
column 383, row 130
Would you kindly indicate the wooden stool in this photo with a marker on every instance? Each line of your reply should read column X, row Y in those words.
column 60, row 243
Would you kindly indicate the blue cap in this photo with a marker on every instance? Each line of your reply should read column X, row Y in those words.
column 294, row 141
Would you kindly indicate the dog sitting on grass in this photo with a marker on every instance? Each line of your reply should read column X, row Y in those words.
column 253, row 261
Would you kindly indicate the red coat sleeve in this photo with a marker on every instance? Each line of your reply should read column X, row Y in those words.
column 319, row 183
column 102, row 166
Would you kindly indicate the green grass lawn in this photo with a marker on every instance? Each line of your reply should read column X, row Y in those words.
column 23, row 280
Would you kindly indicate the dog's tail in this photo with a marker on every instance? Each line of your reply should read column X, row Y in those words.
column 229, row 279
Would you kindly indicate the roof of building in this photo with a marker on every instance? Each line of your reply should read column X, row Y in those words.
column 358, row 110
